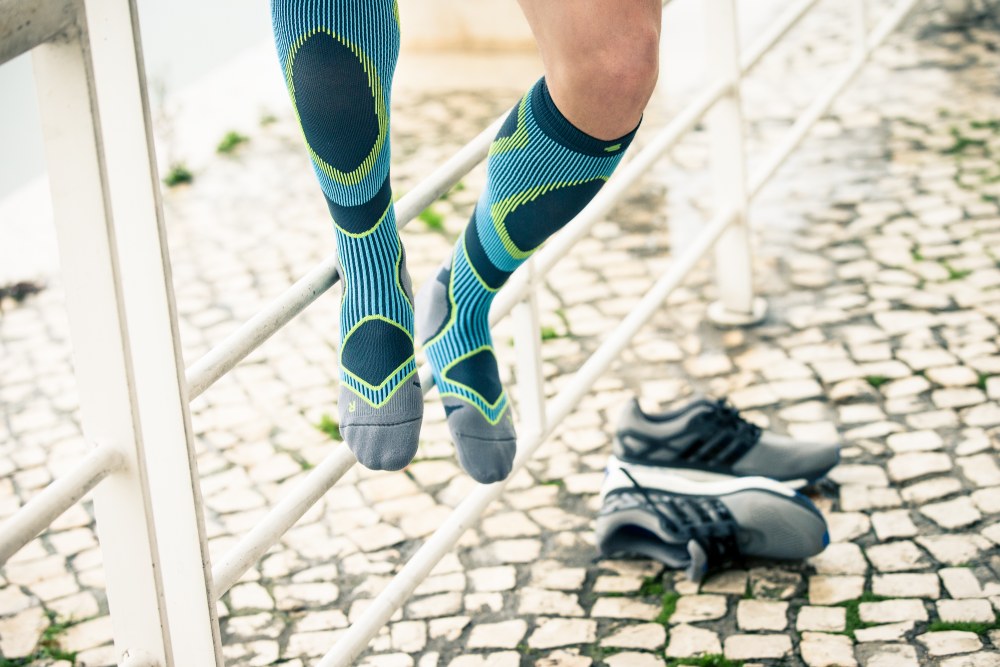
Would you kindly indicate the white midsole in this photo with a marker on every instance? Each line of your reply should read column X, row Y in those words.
column 690, row 482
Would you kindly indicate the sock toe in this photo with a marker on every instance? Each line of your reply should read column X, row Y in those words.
column 371, row 444
column 383, row 438
column 485, row 451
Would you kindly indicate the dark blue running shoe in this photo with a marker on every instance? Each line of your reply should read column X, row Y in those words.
column 704, row 526
column 709, row 441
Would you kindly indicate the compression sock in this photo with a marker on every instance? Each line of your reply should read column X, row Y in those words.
column 541, row 172
column 338, row 57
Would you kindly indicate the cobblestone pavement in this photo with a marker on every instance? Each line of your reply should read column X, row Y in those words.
column 877, row 250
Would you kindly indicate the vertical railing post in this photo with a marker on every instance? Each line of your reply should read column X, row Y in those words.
column 861, row 28
column 528, row 349
column 101, row 358
column 159, row 391
column 737, row 304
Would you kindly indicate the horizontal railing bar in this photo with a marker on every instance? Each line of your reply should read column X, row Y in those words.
column 282, row 516
column 245, row 553
column 25, row 24
column 819, row 106
column 46, row 506
column 257, row 542
column 788, row 20
column 560, row 245
column 377, row 614
column 236, row 346
column 248, row 337
column 242, row 556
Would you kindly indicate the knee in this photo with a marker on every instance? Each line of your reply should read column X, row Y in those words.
column 619, row 73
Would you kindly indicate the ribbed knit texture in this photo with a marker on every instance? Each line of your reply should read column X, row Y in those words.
column 338, row 58
column 541, row 172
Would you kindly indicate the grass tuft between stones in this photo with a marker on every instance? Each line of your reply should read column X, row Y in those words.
column 965, row 626
column 178, row 174
column 852, row 621
column 876, row 380
column 330, row 426
column 230, row 142
column 707, row 660
column 49, row 646
column 668, row 605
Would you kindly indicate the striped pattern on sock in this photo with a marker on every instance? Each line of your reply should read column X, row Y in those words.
column 541, row 172
column 338, row 58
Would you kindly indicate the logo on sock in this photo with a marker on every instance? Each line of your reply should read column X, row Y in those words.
column 352, row 407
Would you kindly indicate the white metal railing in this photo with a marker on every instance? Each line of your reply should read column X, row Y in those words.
column 134, row 397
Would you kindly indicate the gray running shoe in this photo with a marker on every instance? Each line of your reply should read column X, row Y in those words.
column 708, row 440
column 704, row 526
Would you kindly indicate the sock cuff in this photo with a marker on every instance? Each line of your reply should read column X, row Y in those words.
column 561, row 130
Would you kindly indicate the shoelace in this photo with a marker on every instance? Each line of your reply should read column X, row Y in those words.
column 716, row 535
column 734, row 436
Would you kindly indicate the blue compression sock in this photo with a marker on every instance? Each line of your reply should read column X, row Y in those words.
column 541, row 172
column 338, row 58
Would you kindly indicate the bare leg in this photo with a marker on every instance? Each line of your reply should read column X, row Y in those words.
column 557, row 148
column 601, row 59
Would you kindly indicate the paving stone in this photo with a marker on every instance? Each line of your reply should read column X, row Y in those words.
column 694, row 608
column 897, row 523
column 505, row 634
column 915, row 441
column 625, row 608
column 885, row 632
column 892, row 611
column 647, row 636
column 951, row 514
column 821, row 619
column 20, row 633
column 864, row 475
column 981, row 470
column 887, row 655
column 746, row 647
column 688, row 641
column 981, row 659
column 545, row 602
column 847, row 526
column 774, row 583
column 498, row 659
column 729, row 581
column 489, row 579
column 564, row 659
column 905, row 467
column 450, row 628
column 844, row 558
column 966, row 611
column 826, row 590
column 633, row 659
column 958, row 397
column 444, row 604
column 906, row 585
column 954, row 549
column 554, row 632
column 987, row 500
column 931, row 489
column 823, row 650
column 949, row 642
column 761, row 615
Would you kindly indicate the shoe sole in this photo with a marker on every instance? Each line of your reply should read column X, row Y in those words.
column 698, row 475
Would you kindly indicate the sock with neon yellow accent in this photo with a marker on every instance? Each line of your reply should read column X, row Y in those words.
column 541, row 172
column 338, row 58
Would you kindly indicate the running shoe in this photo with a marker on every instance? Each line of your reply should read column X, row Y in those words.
column 705, row 526
column 708, row 440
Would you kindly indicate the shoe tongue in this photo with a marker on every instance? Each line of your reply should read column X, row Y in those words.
column 698, row 564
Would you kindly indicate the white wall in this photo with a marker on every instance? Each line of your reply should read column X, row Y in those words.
column 487, row 25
